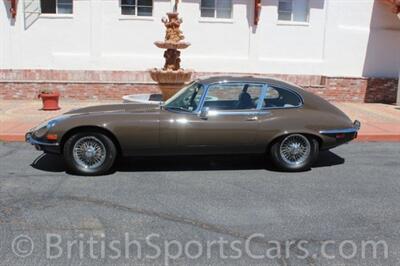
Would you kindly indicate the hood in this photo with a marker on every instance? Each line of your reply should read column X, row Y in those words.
column 124, row 107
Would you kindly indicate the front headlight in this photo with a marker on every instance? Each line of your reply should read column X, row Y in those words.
column 52, row 123
column 41, row 130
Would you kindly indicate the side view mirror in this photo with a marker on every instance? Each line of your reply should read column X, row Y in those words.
column 204, row 112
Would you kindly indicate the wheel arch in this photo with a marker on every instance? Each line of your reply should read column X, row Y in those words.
column 97, row 129
column 284, row 134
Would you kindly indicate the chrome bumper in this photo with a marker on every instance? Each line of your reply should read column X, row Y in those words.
column 356, row 127
column 37, row 143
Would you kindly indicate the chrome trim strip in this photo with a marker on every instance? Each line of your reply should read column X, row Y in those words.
column 181, row 112
column 31, row 140
column 218, row 112
column 287, row 107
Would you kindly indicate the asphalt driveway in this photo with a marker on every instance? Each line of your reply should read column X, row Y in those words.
column 219, row 210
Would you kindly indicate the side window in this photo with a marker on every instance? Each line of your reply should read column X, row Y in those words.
column 187, row 99
column 293, row 10
column 141, row 8
column 280, row 98
column 233, row 96
column 56, row 6
column 216, row 8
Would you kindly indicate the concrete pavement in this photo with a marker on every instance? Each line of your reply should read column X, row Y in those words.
column 380, row 122
column 351, row 196
column 18, row 116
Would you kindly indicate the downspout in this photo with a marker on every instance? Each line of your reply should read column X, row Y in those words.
column 13, row 9
column 398, row 91
column 257, row 11
column 396, row 9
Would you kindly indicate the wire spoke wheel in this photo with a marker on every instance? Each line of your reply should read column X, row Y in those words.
column 89, row 152
column 295, row 149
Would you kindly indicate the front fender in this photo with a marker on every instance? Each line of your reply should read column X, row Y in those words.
column 134, row 131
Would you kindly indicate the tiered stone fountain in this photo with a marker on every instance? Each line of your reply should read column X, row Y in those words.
column 171, row 78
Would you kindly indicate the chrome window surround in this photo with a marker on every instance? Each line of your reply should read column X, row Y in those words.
column 256, row 111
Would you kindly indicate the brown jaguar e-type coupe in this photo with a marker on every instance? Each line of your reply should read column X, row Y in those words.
column 220, row 115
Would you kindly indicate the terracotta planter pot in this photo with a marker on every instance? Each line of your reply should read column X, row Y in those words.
column 50, row 101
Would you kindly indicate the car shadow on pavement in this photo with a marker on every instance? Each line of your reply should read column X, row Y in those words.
column 54, row 163
column 49, row 163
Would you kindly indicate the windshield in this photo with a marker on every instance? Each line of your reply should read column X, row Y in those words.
column 186, row 99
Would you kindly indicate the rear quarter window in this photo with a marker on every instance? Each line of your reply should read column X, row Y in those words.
column 281, row 98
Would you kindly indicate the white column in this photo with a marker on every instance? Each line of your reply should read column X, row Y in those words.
column 96, row 14
column 398, row 87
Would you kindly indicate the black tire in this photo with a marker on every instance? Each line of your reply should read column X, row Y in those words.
column 304, row 164
column 107, row 160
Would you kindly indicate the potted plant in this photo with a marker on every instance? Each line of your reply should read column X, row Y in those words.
column 50, row 99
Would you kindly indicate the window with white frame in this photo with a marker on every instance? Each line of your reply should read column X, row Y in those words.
column 137, row 7
column 216, row 8
column 56, row 6
column 293, row 10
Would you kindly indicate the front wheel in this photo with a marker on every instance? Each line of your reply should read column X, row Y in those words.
column 89, row 153
column 295, row 152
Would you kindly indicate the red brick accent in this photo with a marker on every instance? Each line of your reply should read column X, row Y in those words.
column 381, row 90
column 342, row 89
column 80, row 91
column 76, row 84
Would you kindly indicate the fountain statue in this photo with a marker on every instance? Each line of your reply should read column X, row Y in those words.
column 171, row 78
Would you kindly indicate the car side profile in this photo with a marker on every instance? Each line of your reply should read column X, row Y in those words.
column 219, row 115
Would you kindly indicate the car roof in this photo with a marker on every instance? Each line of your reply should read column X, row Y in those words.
column 270, row 81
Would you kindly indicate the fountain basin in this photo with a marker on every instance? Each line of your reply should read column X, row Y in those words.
column 142, row 98
column 170, row 81
column 171, row 76
column 172, row 45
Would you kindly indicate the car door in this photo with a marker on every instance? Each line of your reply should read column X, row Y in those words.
column 228, row 123
column 176, row 115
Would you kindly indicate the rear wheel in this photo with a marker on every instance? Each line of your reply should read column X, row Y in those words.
column 89, row 153
column 295, row 152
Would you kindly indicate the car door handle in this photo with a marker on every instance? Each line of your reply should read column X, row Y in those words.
column 253, row 118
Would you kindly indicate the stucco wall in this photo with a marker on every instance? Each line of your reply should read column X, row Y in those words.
column 343, row 38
